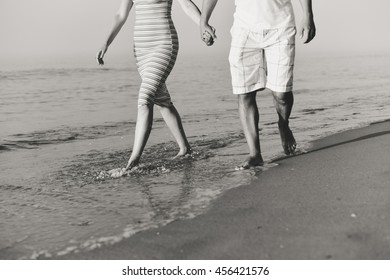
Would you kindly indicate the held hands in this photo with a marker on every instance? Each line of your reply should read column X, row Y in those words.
column 100, row 54
column 207, row 34
column 308, row 30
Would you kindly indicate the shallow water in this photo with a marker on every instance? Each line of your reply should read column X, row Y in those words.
column 60, row 127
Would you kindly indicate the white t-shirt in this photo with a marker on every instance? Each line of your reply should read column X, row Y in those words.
column 264, row 14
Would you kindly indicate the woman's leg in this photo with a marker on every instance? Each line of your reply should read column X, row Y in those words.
column 142, row 132
column 173, row 121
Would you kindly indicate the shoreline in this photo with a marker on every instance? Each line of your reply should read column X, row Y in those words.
column 329, row 203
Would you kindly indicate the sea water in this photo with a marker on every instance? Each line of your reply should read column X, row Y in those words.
column 60, row 127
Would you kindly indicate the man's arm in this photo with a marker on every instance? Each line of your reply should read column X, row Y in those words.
column 207, row 9
column 308, row 28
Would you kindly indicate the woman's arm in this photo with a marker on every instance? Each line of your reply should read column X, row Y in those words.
column 120, row 19
column 191, row 10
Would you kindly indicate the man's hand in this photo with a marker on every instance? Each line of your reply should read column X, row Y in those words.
column 308, row 30
column 207, row 34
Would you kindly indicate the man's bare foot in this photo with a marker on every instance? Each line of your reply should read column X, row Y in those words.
column 287, row 137
column 251, row 161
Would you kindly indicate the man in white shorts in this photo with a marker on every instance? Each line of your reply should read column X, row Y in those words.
column 262, row 56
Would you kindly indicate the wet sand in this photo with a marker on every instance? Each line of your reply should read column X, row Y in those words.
column 331, row 203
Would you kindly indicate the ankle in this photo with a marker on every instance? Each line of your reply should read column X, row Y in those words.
column 133, row 161
column 255, row 155
column 185, row 150
column 283, row 121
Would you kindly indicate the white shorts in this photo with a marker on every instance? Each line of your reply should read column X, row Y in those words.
column 263, row 59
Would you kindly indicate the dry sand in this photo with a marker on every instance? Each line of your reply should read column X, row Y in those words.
column 332, row 203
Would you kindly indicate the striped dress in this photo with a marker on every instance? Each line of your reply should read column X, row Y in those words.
column 155, row 47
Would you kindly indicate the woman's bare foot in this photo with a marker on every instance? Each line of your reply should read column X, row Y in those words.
column 251, row 161
column 288, row 141
column 120, row 172
column 183, row 153
column 117, row 172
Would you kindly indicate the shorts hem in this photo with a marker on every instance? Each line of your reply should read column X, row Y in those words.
column 280, row 88
column 248, row 89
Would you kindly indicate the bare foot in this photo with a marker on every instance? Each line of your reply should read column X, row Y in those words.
column 287, row 137
column 251, row 162
column 117, row 172
column 120, row 172
column 183, row 153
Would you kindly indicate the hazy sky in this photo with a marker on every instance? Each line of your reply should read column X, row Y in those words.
column 74, row 28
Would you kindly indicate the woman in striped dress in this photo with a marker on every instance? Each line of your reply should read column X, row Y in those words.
column 155, row 47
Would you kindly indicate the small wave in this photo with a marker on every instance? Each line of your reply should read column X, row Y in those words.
column 157, row 160
column 166, row 165
column 302, row 91
column 14, row 145
column 36, row 139
column 312, row 111
column 5, row 147
column 33, row 143
column 11, row 187
column 47, row 73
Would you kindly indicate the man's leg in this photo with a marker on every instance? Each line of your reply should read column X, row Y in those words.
column 280, row 56
column 249, row 115
column 283, row 102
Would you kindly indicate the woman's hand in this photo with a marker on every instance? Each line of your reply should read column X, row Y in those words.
column 100, row 54
column 208, row 34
